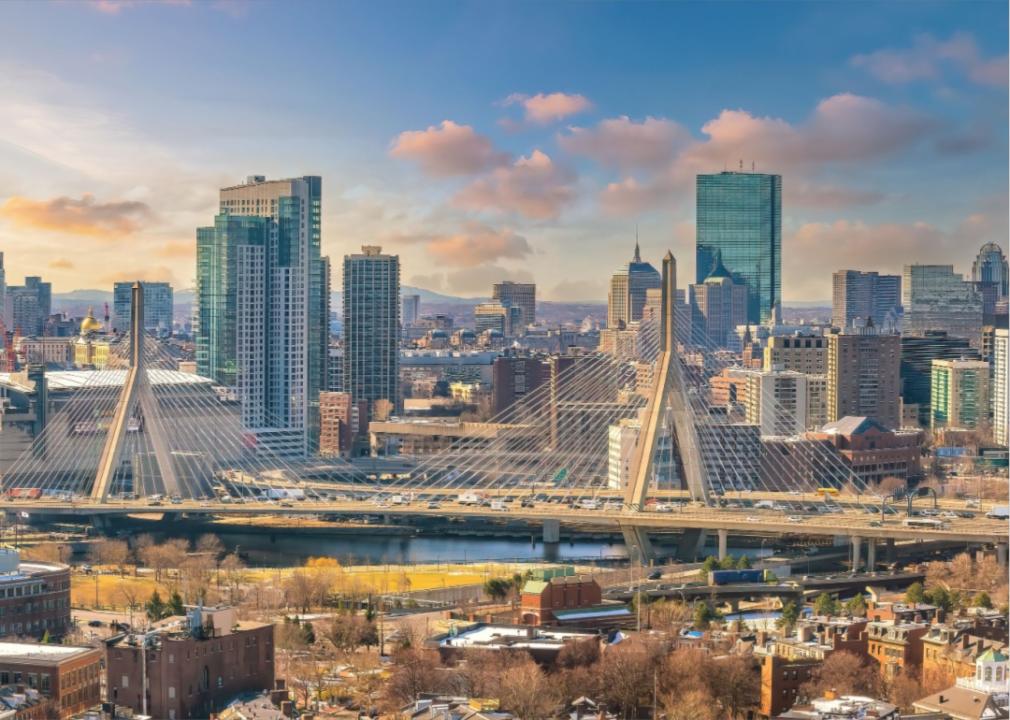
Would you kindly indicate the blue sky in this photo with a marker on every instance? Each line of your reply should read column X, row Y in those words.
column 488, row 140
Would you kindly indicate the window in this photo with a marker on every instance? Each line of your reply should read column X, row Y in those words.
column 171, row 692
column 125, row 681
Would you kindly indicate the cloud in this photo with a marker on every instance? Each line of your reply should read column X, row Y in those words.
column 84, row 216
column 113, row 7
column 578, row 291
column 477, row 244
column 478, row 280
column 157, row 273
column 448, row 149
column 928, row 57
column 61, row 264
column 181, row 249
column 843, row 129
column 829, row 197
column 534, row 187
column 625, row 144
column 542, row 109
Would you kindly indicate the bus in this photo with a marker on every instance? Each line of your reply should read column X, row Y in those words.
column 827, row 491
column 925, row 522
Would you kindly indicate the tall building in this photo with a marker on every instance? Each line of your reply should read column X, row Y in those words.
column 341, row 423
column 518, row 295
column 807, row 354
column 739, row 216
column 629, row 288
column 934, row 297
column 3, row 292
column 718, row 305
column 1000, row 383
column 861, row 296
column 863, row 376
column 990, row 266
column 158, row 306
column 263, row 307
column 410, row 309
column 777, row 402
column 513, row 378
column 917, row 356
column 372, row 327
column 27, row 307
column 959, row 395
column 496, row 315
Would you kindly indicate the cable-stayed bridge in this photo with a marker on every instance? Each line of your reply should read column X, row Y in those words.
column 140, row 436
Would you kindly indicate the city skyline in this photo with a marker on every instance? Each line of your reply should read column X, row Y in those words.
column 888, row 141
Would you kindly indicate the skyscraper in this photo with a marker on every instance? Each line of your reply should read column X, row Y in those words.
column 862, row 296
column 410, row 309
column 863, row 375
column 26, row 307
column 959, row 395
column 1000, row 382
column 263, row 307
column 917, row 356
column 718, row 305
column 991, row 266
column 372, row 327
column 518, row 295
column 739, row 215
column 629, row 287
column 934, row 297
column 158, row 306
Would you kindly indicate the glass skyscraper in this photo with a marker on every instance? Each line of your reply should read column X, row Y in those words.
column 263, row 307
column 158, row 306
column 739, row 216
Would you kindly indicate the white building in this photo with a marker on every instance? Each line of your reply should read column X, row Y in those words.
column 777, row 401
column 1000, row 397
column 622, row 439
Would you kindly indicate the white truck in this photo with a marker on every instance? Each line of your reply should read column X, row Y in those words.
column 588, row 504
column 285, row 494
column 998, row 512
column 498, row 505
column 469, row 498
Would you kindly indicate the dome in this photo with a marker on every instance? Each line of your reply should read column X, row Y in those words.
column 89, row 324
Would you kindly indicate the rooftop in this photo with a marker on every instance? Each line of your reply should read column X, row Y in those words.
column 78, row 379
column 18, row 651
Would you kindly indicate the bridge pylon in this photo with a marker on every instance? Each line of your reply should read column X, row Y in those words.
column 135, row 395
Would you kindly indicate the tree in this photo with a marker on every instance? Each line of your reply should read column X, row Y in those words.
column 704, row 614
column 943, row 598
column 210, row 544
column 414, row 671
column 627, row 674
column 915, row 594
column 844, row 672
column 155, row 607
column 108, row 551
column 734, row 683
column 856, row 606
column 695, row 704
column 825, row 605
column 743, row 563
column 498, row 588
column 727, row 563
column 790, row 614
column 982, row 600
column 708, row 565
column 175, row 606
column 347, row 632
column 903, row 690
column 526, row 692
column 578, row 653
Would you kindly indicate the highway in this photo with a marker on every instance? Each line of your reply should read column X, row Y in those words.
column 849, row 521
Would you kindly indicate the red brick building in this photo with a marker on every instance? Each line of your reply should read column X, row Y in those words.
column 69, row 678
column 341, row 422
column 551, row 589
column 872, row 451
column 896, row 647
column 34, row 597
column 781, row 679
column 194, row 665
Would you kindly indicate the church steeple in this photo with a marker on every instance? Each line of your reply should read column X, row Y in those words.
column 638, row 253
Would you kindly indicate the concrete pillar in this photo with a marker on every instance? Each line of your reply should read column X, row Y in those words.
column 890, row 555
column 871, row 554
column 552, row 531
column 692, row 541
column 723, row 542
column 1001, row 554
column 856, row 547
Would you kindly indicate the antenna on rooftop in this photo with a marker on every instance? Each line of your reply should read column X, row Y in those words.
column 741, row 164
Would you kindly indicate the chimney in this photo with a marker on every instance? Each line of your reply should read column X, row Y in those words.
column 831, row 694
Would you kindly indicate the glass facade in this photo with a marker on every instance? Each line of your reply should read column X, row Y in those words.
column 157, row 306
column 739, row 218
column 936, row 298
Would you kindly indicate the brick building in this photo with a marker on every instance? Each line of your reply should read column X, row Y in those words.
column 194, row 665
column 872, row 451
column 896, row 647
column 68, row 679
column 34, row 597
column 551, row 589
column 781, row 679
column 341, row 422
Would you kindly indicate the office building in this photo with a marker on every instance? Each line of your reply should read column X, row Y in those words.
column 718, row 306
column 868, row 450
column 27, row 307
column 410, row 309
column 262, row 315
column 3, row 292
column 372, row 327
column 518, row 295
column 1000, row 395
column 342, row 423
column 157, row 306
column 621, row 441
column 864, row 375
column 959, row 396
column 934, row 297
column 514, row 377
column 991, row 267
column 777, row 402
column 739, row 217
column 858, row 297
column 917, row 356
column 629, row 288
column 807, row 354
column 192, row 666
column 68, row 679
column 34, row 597
column 493, row 315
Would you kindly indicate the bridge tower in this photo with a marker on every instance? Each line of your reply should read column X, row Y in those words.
column 135, row 395
column 668, row 392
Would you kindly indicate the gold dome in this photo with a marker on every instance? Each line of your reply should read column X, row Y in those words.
column 90, row 324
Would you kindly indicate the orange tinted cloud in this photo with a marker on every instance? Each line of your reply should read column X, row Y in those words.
column 146, row 274
column 535, row 187
column 448, row 149
column 61, row 264
column 546, row 108
column 84, row 216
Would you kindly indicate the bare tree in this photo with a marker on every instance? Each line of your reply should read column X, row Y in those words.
column 526, row 692
column 844, row 672
column 414, row 671
column 210, row 544
column 108, row 551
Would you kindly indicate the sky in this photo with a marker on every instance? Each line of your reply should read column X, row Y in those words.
column 483, row 141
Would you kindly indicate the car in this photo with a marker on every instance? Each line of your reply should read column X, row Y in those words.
column 527, row 503
column 95, row 623
column 949, row 514
column 433, row 505
column 655, row 575
column 965, row 514
column 971, row 502
column 795, row 492
column 287, row 503
column 795, row 518
column 875, row 523
column 751, row 518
